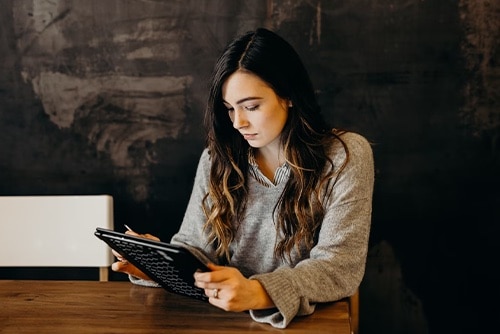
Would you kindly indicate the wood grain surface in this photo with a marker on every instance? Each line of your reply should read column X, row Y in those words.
column 121, row 307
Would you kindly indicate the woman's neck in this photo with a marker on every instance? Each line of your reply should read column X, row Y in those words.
column 269, row 160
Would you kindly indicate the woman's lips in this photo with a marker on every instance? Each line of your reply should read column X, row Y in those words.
column 249, row 136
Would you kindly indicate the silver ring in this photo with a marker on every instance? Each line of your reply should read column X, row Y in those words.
column 216, row 293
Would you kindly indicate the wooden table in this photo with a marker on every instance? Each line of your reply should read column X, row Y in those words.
column 121, row 307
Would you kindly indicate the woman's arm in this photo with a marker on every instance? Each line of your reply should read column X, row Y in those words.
column 336, row 263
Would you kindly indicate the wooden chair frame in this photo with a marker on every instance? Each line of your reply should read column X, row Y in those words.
column 354, row 312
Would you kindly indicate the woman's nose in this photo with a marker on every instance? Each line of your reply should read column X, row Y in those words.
column 239, row 120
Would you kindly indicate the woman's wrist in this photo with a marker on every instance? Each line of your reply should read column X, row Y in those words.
column 262, row 299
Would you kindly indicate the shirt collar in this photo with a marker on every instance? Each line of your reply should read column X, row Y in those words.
column 281, row 175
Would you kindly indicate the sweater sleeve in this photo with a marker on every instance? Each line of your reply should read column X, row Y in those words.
column 336, row 264
column 192, row 233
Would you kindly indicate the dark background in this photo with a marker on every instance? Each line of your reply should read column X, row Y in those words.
column 106, row 97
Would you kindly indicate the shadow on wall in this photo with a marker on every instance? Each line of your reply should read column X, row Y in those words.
column 388, row 306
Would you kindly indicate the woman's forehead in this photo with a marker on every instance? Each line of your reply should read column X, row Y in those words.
column 240, row 86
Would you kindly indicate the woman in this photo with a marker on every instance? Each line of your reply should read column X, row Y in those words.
column 281, row 203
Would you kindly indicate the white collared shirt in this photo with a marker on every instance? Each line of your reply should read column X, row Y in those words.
column 280, row 175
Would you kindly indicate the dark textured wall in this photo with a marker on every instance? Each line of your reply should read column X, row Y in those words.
column 107, row 97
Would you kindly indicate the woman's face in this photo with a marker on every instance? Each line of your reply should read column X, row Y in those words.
column 254, row 109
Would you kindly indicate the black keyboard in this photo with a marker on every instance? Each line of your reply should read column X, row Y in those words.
column 158, row 264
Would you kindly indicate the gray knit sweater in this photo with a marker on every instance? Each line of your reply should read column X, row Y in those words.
column 334, row 267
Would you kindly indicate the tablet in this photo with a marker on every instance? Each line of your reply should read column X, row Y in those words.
column 169, row 265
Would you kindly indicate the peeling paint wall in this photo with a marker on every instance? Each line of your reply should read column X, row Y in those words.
column 481, row 27
column 108, row 97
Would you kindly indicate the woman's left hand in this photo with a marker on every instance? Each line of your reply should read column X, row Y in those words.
column 126, row 267
column 229, row 290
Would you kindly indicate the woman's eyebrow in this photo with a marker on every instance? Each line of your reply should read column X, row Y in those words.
column 245, row 99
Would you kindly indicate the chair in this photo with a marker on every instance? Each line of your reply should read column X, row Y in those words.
column 55, row 231
column 354, row 312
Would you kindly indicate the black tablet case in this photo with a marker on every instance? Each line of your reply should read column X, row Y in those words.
column 169, row 265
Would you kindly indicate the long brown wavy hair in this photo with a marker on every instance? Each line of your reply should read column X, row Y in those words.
column 305, row 139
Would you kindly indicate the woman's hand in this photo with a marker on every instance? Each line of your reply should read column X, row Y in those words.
column 229, row 290
column 123, row 266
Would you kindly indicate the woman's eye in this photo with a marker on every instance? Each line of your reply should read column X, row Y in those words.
column 252, row 108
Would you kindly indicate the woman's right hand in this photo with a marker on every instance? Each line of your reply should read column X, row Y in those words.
column 123, row 266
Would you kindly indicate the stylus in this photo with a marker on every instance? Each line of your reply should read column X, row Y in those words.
column 128, row 228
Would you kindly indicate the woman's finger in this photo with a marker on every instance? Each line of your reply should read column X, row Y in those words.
column 128, row 268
